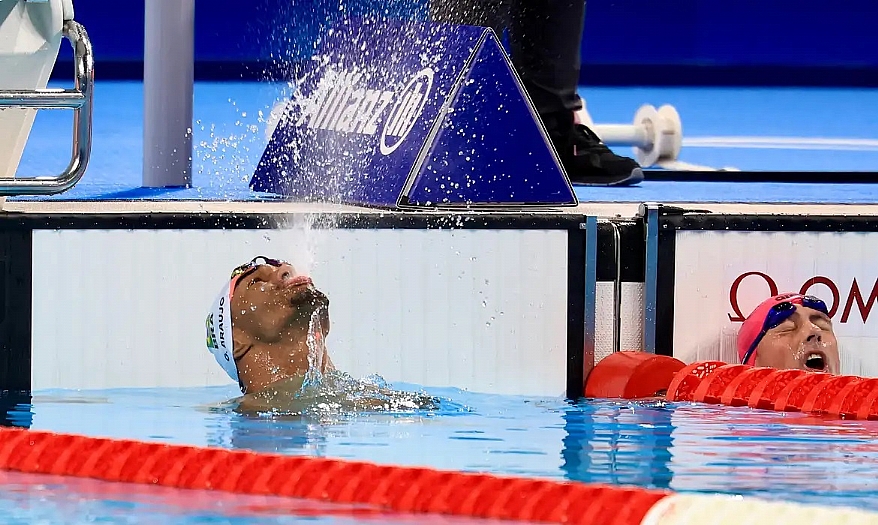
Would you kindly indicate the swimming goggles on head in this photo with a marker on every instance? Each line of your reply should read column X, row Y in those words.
column 780, row 313
column 253, row 264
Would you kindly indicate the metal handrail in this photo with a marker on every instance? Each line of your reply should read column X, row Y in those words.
column 617, row 289
column 79, row 99
column 649, row 213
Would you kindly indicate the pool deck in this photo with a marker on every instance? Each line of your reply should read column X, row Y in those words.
column 755, row 130
column 623, row 210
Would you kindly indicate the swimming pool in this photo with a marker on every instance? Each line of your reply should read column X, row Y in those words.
column 683, row 447
column 676, row 446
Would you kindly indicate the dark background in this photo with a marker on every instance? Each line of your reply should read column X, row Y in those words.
column 626, row 42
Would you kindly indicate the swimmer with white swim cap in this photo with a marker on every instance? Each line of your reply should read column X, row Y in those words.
column 258, row 329
column 267, row 330
column 790, row 331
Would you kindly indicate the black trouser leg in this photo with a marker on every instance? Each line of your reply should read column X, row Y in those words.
column 545, row 38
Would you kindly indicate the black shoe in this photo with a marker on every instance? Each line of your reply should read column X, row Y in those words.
column 585, row 158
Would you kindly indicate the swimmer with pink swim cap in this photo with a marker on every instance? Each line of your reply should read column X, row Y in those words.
column 789, row 331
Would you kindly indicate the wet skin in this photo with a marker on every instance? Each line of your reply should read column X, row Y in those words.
column 804, row 341
column 272, row 309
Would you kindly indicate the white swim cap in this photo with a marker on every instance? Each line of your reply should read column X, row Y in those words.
column 219, row 332
column 219, row 321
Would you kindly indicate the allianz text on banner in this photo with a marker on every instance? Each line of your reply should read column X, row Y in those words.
column 344, row 102
column 363, row 110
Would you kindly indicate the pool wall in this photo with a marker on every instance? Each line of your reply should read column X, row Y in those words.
column 494, row 302
column 713, row 269
column 480, row 307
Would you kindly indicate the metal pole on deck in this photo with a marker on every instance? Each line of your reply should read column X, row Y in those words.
column 168, row 76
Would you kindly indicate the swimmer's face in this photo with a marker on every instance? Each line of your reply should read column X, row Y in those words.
column 804, row 340
column 273, row 302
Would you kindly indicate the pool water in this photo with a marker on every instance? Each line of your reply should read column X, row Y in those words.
column 35, row 499
column 677, row 446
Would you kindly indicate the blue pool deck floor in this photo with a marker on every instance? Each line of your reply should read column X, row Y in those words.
column 765, row 129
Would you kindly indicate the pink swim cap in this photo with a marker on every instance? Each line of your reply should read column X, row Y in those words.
column 752, row 326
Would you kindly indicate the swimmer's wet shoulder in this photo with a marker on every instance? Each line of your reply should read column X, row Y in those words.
column 330, row 393
column 284, row 395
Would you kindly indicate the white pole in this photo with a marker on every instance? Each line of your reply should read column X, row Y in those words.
column 622, row 135
column 168, row 76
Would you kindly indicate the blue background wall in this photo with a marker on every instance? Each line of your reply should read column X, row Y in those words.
column 701, row 42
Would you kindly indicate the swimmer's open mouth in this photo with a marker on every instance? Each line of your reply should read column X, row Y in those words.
column 299, row 280
column 815, row 361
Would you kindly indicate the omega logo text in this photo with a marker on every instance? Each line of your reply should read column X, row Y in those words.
column 853, row 296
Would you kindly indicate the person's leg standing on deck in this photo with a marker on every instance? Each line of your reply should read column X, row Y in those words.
column 545, row 38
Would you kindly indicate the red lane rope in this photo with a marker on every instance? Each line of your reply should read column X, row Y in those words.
column 423, row 490
column 638, row 375
column 396, row 488
column 682, row 387
column 814, row 393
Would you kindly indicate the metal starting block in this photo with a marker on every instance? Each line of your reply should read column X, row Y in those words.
column 656, row 135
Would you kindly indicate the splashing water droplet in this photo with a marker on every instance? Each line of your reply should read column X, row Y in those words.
column 316, row 347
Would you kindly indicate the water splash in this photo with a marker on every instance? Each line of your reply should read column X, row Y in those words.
column 316, row 341
column 336, row 395
column 331, row 394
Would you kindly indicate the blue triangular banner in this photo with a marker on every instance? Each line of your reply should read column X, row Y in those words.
column 491, row 148
column 401, row 114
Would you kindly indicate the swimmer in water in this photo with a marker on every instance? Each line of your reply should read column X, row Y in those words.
column 790, row 331
column 267, row 330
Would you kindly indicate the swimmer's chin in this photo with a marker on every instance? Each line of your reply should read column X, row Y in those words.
column 303, row 295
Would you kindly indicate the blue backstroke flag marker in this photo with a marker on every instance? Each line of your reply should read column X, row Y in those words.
column 400, row 114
